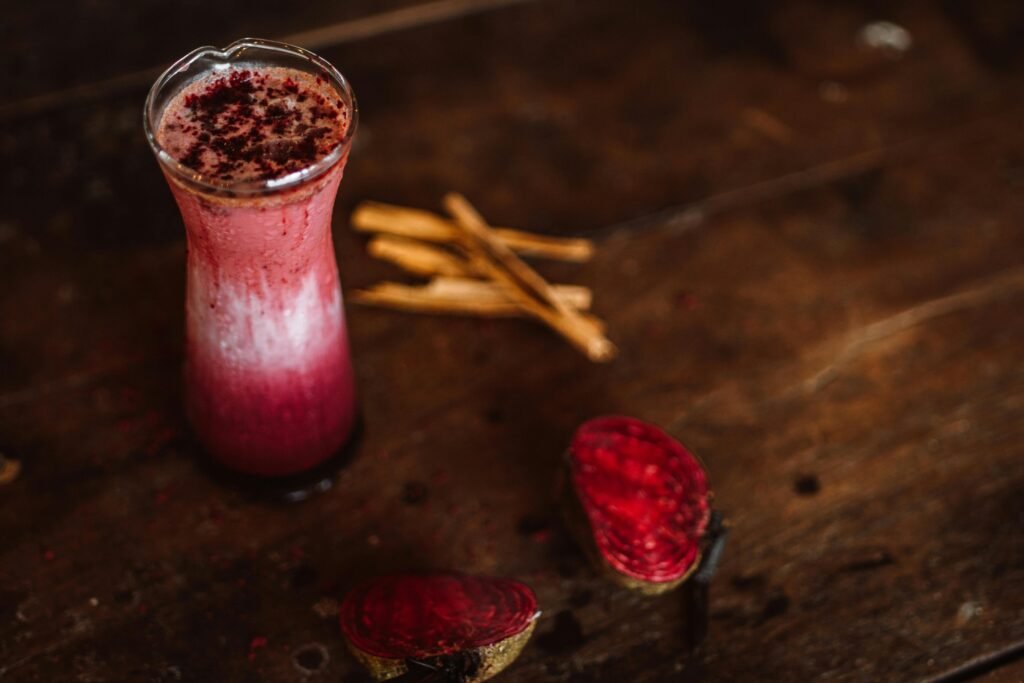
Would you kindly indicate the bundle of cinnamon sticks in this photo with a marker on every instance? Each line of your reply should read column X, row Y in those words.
column 476, row 269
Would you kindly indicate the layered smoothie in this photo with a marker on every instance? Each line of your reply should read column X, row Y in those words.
column 269, row 384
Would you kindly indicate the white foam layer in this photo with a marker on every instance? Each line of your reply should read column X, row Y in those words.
column 279, row 328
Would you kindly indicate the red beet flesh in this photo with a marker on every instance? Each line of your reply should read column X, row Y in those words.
column 644, row 495
column 400, row 617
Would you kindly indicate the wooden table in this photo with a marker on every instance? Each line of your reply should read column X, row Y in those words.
column 811, row 256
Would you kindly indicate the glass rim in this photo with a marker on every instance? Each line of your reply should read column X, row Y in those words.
column 210, row 185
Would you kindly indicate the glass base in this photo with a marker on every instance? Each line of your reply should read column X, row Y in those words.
column 292, row 488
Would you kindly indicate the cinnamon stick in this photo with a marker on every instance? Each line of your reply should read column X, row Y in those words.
column 459, row 296
column 418, row 258
column 400, row 221
column 527, row 288
column 574, row 296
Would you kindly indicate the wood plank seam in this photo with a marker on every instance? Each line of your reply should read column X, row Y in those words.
column 321, row 38
column 856, row 341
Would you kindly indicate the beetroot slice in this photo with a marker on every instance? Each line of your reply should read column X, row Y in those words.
column 422, row 617
column 645, row 497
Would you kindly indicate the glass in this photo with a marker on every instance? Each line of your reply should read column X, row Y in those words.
column 269, row 386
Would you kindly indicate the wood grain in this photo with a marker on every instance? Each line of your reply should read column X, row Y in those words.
column 842, row 352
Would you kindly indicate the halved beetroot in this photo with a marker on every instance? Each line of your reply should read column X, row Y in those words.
column 466, row 628
column 639, row 501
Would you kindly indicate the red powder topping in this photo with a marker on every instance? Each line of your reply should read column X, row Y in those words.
column 645, row 495
column 254, row 125
column 434, row 615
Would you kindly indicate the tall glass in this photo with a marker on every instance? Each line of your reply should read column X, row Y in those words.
column 268, row 378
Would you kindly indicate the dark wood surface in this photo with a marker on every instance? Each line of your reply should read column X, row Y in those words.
column 810, row 255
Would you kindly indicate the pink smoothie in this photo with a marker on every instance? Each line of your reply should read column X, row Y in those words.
column 269, row 382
